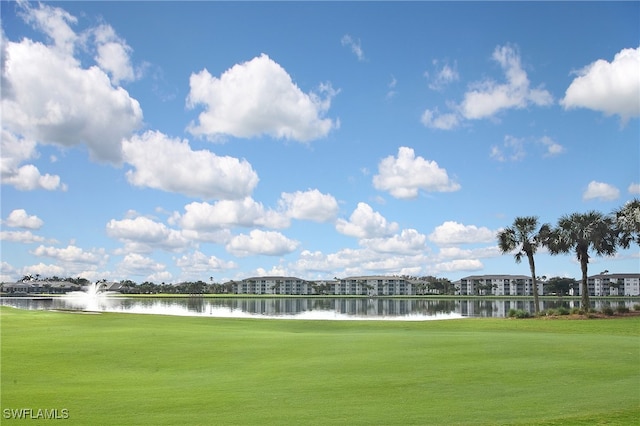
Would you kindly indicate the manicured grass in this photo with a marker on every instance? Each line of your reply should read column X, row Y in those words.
column 123, row 369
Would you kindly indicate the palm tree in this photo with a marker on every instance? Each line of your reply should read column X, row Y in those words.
column 627, row 219
column 524, row 237
column 582, row 233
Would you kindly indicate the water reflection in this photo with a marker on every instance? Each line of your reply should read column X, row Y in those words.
column 305, row 308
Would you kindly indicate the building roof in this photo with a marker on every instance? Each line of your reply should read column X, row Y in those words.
column 375, row 277
column 496, row 277
column 273, row 278
column 615, row 276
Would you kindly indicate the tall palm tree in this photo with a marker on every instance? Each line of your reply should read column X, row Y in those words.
column 524, row 237
column 582, row 233
column 627, row 219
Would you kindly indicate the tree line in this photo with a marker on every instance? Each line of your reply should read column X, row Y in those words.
column 583, row 234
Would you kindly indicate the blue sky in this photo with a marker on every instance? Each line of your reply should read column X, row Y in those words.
column 170, row 141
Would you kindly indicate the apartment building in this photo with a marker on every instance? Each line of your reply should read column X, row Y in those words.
column 382, row 285
column 613, row 285
column 273, row 285
column 496, row 285
column 377, row 285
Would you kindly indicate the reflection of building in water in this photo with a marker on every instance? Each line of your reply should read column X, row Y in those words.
column 361, row 307
column 481, row 308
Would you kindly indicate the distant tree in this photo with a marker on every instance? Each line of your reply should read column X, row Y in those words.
column 128, row 286
column 437, row 285
column 524, row 238
column 148, row 287
column 277, row 287
column 79, row 281
column 627, row 220
column 561, row 285
column 582, row 233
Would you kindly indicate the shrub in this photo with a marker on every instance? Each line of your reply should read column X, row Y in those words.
column 636, row 307
column 550, row 312
column 622, row 310
column 607, row 310
column 576, row 311
column 562, row 310
column 518, row 313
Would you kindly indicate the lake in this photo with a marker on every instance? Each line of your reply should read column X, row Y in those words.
column 329, row 308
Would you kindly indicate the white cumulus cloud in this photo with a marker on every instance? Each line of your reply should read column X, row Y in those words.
column 268, row 243
column 72, row 254
column 489, row 97
column 197, row 263
column 451, row 232
column 24, row 237
column 54, row 22
column 600, row 191
column 142, row 234
column 405, row 175
column 255, row 98
column 309, row 205
column 28, row 178
column 171, row 165
column 136, row 264
column 486, row 98
column 19, row 218
column 69, row 104
column 228, row 214
column 408, row 241
column 610, row 87
column 15, row 150
column 366, row 223
column 458, row 265
column 51, row 270
column 113, row 54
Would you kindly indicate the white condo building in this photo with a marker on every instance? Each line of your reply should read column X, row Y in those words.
column 273, row 285
column 473, row 285
column 613, row 285
column 376, row 285
column 497, row 285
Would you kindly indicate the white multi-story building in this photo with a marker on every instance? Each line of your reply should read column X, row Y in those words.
column 376, row 285
column 382, row 285
column 273, row 285
column 613, row 285
column 497, row 285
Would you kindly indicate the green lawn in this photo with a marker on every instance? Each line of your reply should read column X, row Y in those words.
column 123, row 369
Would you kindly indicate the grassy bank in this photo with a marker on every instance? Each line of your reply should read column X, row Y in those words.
column 146, row 369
